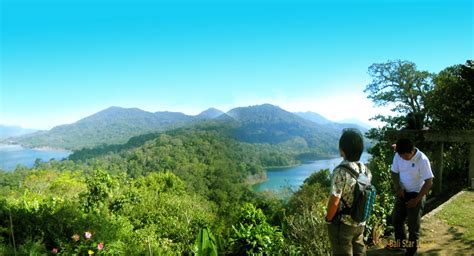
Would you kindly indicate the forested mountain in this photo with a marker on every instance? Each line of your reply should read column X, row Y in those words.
column 113, row 125
column 271, row 124
column 255, row 124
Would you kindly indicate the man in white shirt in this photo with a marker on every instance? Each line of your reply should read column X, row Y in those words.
column 412, row 178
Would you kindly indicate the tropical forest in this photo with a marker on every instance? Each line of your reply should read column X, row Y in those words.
column 170, row 184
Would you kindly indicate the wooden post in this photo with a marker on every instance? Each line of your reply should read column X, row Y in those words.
column 438, row 168
column 471, row 166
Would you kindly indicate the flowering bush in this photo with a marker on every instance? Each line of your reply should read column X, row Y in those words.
column 82, row 245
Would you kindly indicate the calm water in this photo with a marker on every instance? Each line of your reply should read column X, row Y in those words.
column 12, row 155
column 293, row 177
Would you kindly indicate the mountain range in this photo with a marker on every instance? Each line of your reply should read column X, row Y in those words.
column 254, row 124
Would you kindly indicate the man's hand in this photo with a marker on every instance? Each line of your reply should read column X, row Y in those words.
column 412, row 203
column 401, row 193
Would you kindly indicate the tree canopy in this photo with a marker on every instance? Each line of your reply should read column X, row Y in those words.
column 450, row 103
column 400, row 85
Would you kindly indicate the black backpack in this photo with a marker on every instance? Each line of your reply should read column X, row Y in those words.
column 364, row 198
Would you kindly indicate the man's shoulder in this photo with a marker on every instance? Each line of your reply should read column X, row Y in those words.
column 339, row 171
column 422, row 156
column 396, row 157
column 348, row 170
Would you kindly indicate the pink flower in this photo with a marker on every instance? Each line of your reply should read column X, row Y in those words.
column 76, row 237
column 87, row 235
column 54, row 250
column 100, row 246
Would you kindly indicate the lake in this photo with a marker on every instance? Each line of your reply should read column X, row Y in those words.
column 293, row 177
column 12, row 155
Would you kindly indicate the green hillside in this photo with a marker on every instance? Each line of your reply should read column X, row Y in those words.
column 271, row 124
column 262, row 124
column 110, row 126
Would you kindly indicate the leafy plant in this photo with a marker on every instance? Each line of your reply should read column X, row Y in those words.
column 206, row 244
column 304, row 225
column 253, row 235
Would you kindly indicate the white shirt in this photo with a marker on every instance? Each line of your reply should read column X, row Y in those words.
column 413, row 172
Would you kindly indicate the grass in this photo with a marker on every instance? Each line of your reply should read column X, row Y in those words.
column 460, row 212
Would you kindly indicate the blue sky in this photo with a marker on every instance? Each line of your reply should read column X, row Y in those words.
column 64, row 60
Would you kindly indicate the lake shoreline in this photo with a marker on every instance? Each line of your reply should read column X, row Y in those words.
column 293, row 176
column 42, row 148
column 301, row 162
column 12, row 155
column 255, row 179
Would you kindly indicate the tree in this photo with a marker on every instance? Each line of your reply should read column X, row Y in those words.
column 445, row 100
column 450, row 103
column 399, row 84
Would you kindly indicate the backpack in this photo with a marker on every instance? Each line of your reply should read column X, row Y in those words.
column 364, row 198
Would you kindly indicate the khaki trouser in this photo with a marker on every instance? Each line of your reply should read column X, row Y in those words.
column 346, row 240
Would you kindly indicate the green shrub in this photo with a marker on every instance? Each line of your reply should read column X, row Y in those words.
column 253, row 235
column 304, row 225
column 379, row 166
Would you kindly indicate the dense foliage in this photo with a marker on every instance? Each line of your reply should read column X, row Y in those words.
column 187, row 190
column 304, row 222
column 450, row 104
column 152, row 198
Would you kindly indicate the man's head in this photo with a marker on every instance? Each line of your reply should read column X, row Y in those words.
column 351, row 144
column 405, row 148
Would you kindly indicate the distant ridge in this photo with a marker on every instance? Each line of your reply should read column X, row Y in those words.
column 314, row 117
column 357, row 122
column 254, row 124
column 339, row 126
column 113, row 125
column 7, row 131
column 210, row 113
column 271, row 124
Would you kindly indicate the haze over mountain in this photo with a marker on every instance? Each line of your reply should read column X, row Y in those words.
column 7, row 131
column 314, row 117
column 356, row 121
column 254, row 124
column 339, row 125
column 210, row 113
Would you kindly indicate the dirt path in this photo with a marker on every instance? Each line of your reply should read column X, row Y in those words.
column 440, row 238
column 437, row 237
